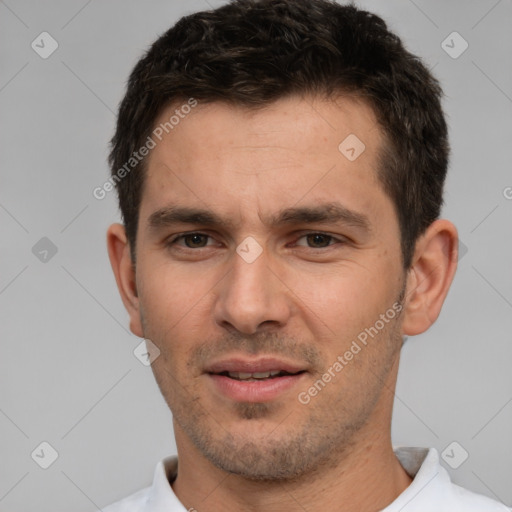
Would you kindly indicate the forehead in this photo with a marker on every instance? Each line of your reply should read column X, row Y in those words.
column 298, row 123
column 240, row 161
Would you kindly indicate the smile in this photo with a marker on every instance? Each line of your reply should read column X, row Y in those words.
column 256, row 376
column 253, row 380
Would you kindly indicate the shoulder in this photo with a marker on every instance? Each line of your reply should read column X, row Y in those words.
column 158, row 496
column 133, row 503
column 432, row 488
column 468, row 501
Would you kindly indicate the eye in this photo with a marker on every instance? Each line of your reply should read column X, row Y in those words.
column 317, row 240
column 191, row 240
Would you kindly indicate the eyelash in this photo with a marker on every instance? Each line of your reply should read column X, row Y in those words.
column 182, row 236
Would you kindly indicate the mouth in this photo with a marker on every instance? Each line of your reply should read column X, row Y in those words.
column 257, row 376
column 260, row 380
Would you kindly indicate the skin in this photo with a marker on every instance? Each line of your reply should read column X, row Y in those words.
column 304, row 299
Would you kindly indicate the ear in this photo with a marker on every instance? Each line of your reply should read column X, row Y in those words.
column 121, row 261
column 430, row 276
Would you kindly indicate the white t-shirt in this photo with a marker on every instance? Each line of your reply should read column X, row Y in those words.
column 430, row 491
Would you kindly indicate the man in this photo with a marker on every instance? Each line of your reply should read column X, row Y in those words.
column 280, row 167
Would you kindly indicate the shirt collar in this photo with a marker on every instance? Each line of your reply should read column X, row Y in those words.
column 430, row 479
column 161, row 496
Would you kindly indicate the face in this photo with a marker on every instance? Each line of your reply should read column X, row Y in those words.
column 269, row 276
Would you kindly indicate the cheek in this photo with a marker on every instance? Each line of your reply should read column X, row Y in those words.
column 176, row 309
column 170, row 294
column 342, row 302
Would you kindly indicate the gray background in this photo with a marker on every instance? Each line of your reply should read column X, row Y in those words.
column 68, row 375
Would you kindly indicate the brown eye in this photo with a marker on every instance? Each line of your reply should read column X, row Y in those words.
column 318, row 240
column 195, row 240
column 190, row 241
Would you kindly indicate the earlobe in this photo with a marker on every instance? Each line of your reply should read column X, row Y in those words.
column 430, row 276
column 124, row 272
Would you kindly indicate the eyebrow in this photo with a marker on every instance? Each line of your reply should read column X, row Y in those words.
column 323, row 213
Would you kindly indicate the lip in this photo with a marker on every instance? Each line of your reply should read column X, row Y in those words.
column 256, row 390
column 262, row 364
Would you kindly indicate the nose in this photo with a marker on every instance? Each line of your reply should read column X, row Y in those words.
column 251, row 297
